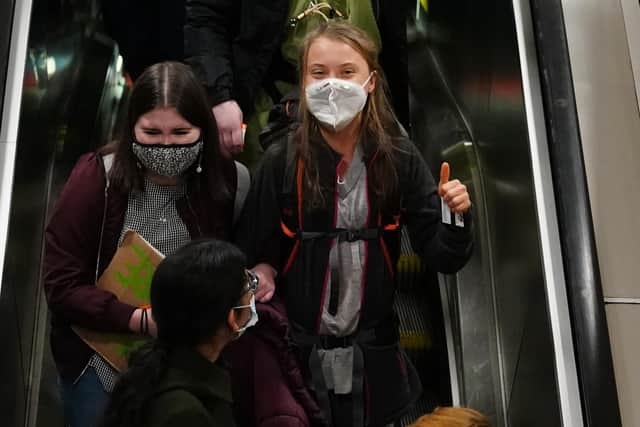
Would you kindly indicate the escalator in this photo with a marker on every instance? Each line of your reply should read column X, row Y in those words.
column 465, row 62
column 500, row 336
column 521, row 346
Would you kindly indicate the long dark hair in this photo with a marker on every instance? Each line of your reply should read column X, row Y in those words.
column 191, row 294
column 169, row 84
column 379, row 122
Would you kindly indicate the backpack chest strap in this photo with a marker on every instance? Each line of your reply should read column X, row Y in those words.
column 342, row 234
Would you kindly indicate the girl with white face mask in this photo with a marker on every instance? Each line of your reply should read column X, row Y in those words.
column 337, row 83
column 325, row 212
column 335, row 102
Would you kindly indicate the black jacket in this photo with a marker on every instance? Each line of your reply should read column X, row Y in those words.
column 147, row 31
column 444, row 248
column 391, row 382
column 234, row 48
column 193, row 392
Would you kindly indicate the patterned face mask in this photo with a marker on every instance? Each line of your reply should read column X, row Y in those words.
column 167, row 160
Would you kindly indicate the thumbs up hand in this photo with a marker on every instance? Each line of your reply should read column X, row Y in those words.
column 454, row 193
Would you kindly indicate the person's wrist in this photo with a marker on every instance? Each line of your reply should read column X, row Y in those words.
column 144, row 319
column 134, row 320
column 274, row 272
column 268, row 268
column 139, row 321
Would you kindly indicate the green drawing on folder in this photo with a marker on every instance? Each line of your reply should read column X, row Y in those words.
column 140, row 273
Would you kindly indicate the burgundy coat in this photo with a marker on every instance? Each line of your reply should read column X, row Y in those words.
column 73, row 243
column 268, row 385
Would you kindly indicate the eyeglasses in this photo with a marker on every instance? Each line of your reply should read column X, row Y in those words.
column 252, row 281
column 317, row 9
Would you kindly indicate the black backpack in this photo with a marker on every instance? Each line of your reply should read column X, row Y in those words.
column 283, row 118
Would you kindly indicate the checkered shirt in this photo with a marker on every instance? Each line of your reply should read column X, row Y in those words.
column 153, row 214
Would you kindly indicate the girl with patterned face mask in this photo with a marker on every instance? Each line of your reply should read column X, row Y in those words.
column 165, row 178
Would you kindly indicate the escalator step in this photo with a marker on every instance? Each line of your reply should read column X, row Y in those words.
column 405, row 242
column 409, row 267
column 414, row 330
column 412, row 341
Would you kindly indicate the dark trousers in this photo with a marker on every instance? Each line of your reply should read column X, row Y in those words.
column 84, row 400
column 342, row 410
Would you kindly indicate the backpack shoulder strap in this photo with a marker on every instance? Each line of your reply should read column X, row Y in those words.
column 298, row 168
column 107, row 163
column 242, row 189
column 290, row 166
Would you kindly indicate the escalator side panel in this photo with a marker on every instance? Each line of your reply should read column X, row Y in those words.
column 586, row 303
column 71, row 92
column 14, row 27
column 504, row 327
column 6, row 16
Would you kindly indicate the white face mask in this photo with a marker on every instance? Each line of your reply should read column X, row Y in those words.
column 335, row 102
column 252, row 320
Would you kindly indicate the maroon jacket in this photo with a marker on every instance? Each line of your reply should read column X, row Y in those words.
column 73, row 243
column 269, row 387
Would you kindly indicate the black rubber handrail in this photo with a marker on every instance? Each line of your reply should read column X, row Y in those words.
column 584, row 289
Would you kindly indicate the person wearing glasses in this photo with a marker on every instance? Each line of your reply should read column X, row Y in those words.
column 203, row 298
column 245, row 54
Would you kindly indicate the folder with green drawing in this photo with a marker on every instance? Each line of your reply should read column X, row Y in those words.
column 128, row 276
